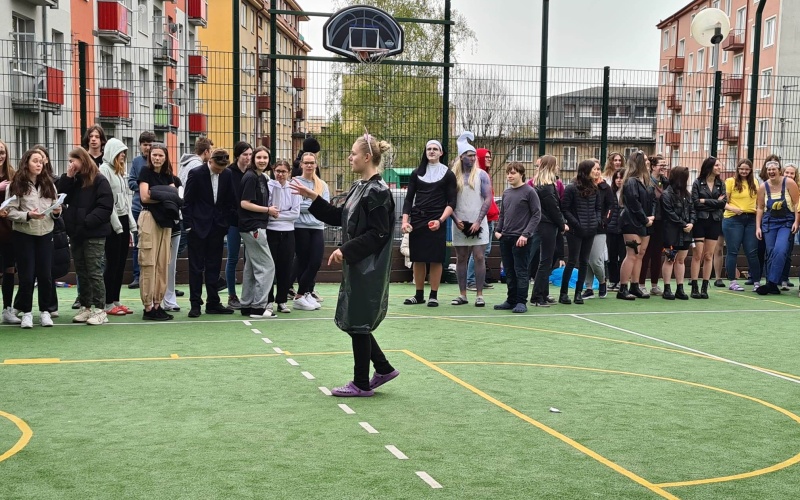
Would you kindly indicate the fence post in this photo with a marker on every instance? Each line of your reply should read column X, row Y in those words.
column 83, row 48
column 715, row 117
column 446, row 77
column 273, row 75
column 237, row 77
column 543, row 82
column 604, row 119
column 751, row 127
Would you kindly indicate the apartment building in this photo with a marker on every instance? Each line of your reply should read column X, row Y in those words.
column 686, row 86
column 242, row 87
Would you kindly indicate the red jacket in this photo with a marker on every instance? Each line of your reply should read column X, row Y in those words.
column 494, row 212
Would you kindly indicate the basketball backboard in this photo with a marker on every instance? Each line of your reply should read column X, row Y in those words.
column 360, row 29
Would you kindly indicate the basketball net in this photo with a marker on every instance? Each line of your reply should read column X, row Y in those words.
column 370, row 56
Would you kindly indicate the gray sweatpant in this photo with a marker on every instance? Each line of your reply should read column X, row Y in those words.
column 597, row 259
column 259, row 270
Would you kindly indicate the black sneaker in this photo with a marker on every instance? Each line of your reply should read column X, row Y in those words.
column 245, row 311
column 541, row 303
column 194, row 312
column 218, row 309
column 133, row 285
column 603, row 291
column 179, row 293
column 564, row 299
column 587, row 294
column 155, row 314
column 505, row 306
column 719, row 283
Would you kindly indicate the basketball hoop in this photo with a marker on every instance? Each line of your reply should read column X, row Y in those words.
column 370, row 56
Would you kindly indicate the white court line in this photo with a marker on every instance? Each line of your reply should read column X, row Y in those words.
column 247, row 323
column 292, row 362
column 278, row 350
column 308, row 375
column 266, row 340
column 368, row 427
column 256, row 331
column 397, row 453
column 428, row 479
column 325, row 391
column 672, row 344
column 346, row 409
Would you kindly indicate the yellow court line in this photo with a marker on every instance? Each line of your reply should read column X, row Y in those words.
column 583, row 449
column 738, row 294
column 795, row 306
column 173, row 357
column 331, row 353
column 745, row 475
column 27, row 434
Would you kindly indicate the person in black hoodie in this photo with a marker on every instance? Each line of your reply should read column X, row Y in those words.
column 581, row 207
column 597, row 257
column 709, row 197
column 87, row 218
column 636, row 216
column 678, row 214
column 94, row 141
column 550, row 225
column 615, row 243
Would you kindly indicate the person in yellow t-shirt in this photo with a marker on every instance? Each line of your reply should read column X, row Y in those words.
column 739, row 224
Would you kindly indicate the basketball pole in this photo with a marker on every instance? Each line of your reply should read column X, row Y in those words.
column 543, row 79
column 273, row 84
column 751, row 122
column 446, row 78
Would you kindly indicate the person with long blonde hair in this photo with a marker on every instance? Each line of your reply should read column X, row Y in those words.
column 613, row 165
column 6, row 242
column 635, row 217
column 308, row 230
column 552, row 223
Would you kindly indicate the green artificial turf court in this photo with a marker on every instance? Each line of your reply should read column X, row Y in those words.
column 696, row 399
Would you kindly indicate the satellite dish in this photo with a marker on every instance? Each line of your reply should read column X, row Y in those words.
column 178, row 96
column 143, row 9
column 710, row 27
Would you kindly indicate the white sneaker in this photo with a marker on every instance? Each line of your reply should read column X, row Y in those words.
column 267, row 315
column 302, row 304
column 27, row 320
column 83, row 315
column 310, row 299
column 270, row 306
column 97, row 317
column 283, row 308
column 54, row 314
column 10, row 316
column 317, row 297
column 44, row 319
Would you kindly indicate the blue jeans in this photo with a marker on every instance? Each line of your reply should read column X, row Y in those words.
column 740, row 230
column 135, row 251
column 234, row 243
column 471, row 264
column 777, row 233
column 515, row 262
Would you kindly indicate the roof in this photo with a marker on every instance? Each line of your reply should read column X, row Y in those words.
column 615, row 92
column 692, row 5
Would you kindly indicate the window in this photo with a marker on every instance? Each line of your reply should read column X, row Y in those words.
column 724, row 57
column 569, row 134
column 569, row 111
column 586, row 111
column 707, row 142
column 741, row 19
column 660, row 144
column 698, row 101
column 142, row 17
column 23, row 52
column 763, row 133
column 645, row 111
column 59, row 152
column 728, row 7
column 58, row 55
column 523, row 153
column 715, row 4
column 710, row 97
column 753, row 38
column 678, row 123
column 738, row 64
column 665, row 43
column 27, row 137
column 143, row 86
column 243, row 105
column 664, row 73
column 570, row 158
column 623, row 111
column 630, row 151
column 712, row 60
column 681, row 47
column 769, row 32
column 686, row 141
column 701, row 59
column 690, row 64
column 252, row 21
column 243, row 14
column 674, row 36
column 766, row 83
column 695, row 140
column 597, row 111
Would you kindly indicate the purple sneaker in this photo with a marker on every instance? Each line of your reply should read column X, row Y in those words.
column 378, row 379
column 351, row 391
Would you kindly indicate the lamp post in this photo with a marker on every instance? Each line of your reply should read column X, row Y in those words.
column 543, row 79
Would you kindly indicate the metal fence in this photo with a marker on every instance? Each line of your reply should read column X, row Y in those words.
column 47, row 96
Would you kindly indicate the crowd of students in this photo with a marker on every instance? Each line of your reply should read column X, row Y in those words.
column 623, row 224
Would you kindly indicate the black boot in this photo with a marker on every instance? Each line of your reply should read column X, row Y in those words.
column 578, row 298
column 695, row 290
column 637, row 292
column 667, row 295
column 680, row 294
column 564, row 299
column 704, row 290
column 623, row 293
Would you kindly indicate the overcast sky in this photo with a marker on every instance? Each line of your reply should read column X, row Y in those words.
column 583, row 33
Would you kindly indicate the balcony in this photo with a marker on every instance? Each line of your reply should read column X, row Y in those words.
column 673, row 139
column 734, row 42
column 674, row 103
column 264, row 103
column 53, row 4
column 728, row 132
column 113, row 22
column 733, row 86
column 36, row 87
column 198, row 12
column 676, row 64
column 166, row 117
column 115, row 106
column 198, row 123
column 266, row 141
column 166, row 50
column 263, row 63
column 198, row 68
column 299, row 114
column 299, row 83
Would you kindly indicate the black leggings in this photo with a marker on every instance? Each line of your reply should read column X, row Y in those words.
column 309, row 246
column 651, row 262
column 366, row 349
column 579, row 248
column 615, row 243
column 116, row 257
column 281, row 246
column 547, row 246
column 7, row 260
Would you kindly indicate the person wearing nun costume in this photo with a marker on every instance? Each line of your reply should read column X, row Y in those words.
column 367, row 220
column 471, row 228
column 430, row 200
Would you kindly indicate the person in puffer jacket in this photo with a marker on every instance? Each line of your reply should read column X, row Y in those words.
column 615, row 242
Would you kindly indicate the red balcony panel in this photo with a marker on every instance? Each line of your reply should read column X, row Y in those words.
column 266, row 141
column 673, row 138
column 299, row 83
column 115, row 103
column 197, row 12
column 55, row 85
column 174, row 116
column 112, row 21
column 733, row 86
column 674, row 103
column 198, row 123
column 198, row 68
column 728, row 132
column 676, row 64
column 264, row 103
column 735, row 41
column 299, row 114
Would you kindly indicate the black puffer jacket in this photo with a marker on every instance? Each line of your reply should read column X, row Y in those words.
column 607, row 203
column 582, row 213
column 636, row 204
column 88, row 211
column 713, row 207
column 678, row 212
column 614, row 223
column 61, row 255
column 551, row 206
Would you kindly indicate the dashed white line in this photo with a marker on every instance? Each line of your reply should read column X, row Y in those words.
column 292, row 362
column 256, row 331
column 325, row 391
column 397, row 453
column 266, row 340
column 428, row 479
column 247, row 323
column 368, row 427
column 278, row 350
column 308, row 375
column 346, row 409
